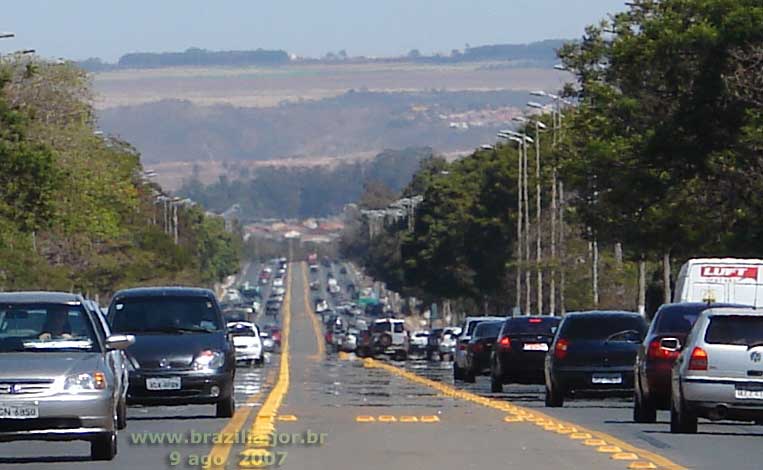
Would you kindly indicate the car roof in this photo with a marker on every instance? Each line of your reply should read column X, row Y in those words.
column 702, row 305
column 746, row 312
column 527, row 317
column 41, row 297
column 484, row 318
column 165, row 292
column 602, row 313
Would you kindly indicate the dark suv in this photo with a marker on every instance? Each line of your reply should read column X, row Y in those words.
column 593, row 351
column 658, row 352
column 521, row 348
column 182, row 353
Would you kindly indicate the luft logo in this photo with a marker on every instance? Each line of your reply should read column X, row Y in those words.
column 756, row 356
column 729, row 272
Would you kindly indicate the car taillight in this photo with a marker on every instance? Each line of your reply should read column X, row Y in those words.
column 560, row 351
column 698, row 359
column 535, row 320
column 657, row 352
column 505, row 343
column 462, row 347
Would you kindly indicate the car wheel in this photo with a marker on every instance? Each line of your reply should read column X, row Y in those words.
column 644, row 411
column 226, row 407
column 496, row 385
column 457, row 372
column 122, row 414
column 104, row 446
column 401, row 355
column 554, row 397
column 469, row 376
column 681, row 420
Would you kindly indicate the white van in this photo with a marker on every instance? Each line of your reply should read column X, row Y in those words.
column 724, row 280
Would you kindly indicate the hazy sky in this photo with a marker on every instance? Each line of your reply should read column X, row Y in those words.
column 77, row 29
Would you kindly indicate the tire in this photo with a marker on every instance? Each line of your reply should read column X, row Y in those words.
column 104, row 446
column 644, row 411
column 226, row 408
column 554, row 397
column 400, row 355
column 681, row 420
column 496, row 385
column 122, row 414
column 385, row 340
column 458, row 374
column 469, row 376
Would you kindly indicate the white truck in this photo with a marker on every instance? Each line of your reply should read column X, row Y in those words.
column 721, row 280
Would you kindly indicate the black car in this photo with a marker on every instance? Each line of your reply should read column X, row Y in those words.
column 520, row 351
column 593, row 351
column 182, row 353
column 479, row 349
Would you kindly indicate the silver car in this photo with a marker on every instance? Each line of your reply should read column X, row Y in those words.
column 57, row 379
column 120, row 361
column 459, row 354
column 719, row 372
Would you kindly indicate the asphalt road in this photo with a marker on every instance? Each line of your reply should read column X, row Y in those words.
column 339, row 412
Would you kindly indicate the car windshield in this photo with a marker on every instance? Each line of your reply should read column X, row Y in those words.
column 45, row 328
column 735, row 330
column 600, row 327
column 487, row 329
column 164, row 315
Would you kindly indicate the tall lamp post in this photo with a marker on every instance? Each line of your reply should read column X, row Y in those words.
column 518, row 279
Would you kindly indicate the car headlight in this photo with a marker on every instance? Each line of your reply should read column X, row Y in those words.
column 85, row 381
column 208, row 359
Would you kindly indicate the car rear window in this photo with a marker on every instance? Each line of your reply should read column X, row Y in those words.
column 677, row 319
column 488, row 329
column 531, row 326
column 381, row 327
column 600, row 326
column 399, row 327
column 735, row 330
column 472, row 325
column 164, row 314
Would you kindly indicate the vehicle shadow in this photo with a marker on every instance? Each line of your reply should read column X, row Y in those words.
column 44, row 459
column 713, row 433
column 170, row 417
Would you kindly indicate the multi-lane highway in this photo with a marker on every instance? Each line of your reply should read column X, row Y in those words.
column 340, row 412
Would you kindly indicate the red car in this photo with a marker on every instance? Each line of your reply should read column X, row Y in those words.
column 658, row 352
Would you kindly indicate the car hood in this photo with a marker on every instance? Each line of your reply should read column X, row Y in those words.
column 164, row 350
column 48, row 365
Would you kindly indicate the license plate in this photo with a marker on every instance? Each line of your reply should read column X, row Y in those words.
column 164, row 383
column 607, row 379
column 535, row 347
column 19, row 411
column 744, row 394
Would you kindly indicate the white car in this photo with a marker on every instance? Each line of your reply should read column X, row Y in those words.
column 278, row 282
column 246, row 339
column 279, row 290
column 321, row 306
column 418, row 342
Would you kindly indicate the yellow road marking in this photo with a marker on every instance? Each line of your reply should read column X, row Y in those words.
column 313, row 317
column 365, row 419
column 430, row 419
column 387, row 419
column 610, row 450
column 642, row 466
column 624, row 456
column 594, row 442
column 530, row 415
column 512, row 419
column 287, row 418
column 221, row 451
column 263, row 426
column 409, row 419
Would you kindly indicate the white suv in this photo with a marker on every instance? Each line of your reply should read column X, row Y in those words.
column 389, row 337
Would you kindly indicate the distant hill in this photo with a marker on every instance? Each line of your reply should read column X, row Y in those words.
column 306, row 192
column 542, row 52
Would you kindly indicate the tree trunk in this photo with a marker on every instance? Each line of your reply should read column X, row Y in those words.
column 666, row 277
column 642, row 286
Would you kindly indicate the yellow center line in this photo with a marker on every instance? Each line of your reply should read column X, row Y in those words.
column 313, row 318
column 647, row 459
column 263, row 427
column 221, row 450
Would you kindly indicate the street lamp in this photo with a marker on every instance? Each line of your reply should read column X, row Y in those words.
column 509, row 135
column 526, row 206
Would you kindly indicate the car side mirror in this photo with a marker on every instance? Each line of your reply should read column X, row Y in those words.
column 670, row 344
column 119, row 342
